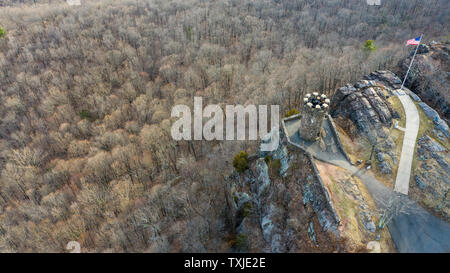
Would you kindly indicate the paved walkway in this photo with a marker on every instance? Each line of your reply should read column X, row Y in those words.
column 415, row 231
column 409, row 142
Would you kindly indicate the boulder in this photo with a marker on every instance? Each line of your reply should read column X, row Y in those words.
column 441, row 161
column 273, row 135
column 385, row 167
column 439, row 134
column 262, row 178
column 267, row 210
column 420, row 183
column 432, row 175
column 393, row 156
column 270, row 228
column 312, row 233
column 428, row 76
column 381, row 156
column 386, row 78
column 430, row 144
column 241, row 198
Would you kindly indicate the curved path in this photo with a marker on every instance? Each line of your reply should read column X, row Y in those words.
column 409, row 143
column 416, row 231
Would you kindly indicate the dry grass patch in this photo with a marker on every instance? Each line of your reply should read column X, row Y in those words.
column 424, row 197
column 397, row 105
column 347, row 194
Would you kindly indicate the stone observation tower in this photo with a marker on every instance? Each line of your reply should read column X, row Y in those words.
column 315, row 108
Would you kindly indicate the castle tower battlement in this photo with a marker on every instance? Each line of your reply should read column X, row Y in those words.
column 315, row 109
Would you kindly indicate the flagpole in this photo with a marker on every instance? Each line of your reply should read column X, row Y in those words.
column 412, row 60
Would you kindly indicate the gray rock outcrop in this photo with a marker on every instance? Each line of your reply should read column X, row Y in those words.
column 441, row 124
column 365, row 104
column 429, row 76
column 363, row 110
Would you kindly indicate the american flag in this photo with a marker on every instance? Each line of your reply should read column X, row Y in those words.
column 415, row 41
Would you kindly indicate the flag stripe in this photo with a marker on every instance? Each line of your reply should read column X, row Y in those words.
column 414, row 41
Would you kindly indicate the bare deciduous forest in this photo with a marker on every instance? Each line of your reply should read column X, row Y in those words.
column 86, row 92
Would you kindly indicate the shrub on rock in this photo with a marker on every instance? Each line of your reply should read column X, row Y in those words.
column 292, row 112
column 240, row 161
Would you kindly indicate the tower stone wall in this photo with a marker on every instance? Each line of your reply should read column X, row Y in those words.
column 315, row 109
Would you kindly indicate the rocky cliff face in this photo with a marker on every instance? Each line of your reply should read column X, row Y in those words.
column 363, row 110
column 278, row 207
column 429, row 76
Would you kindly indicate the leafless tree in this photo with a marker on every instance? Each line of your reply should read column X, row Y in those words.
column 394, row 205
